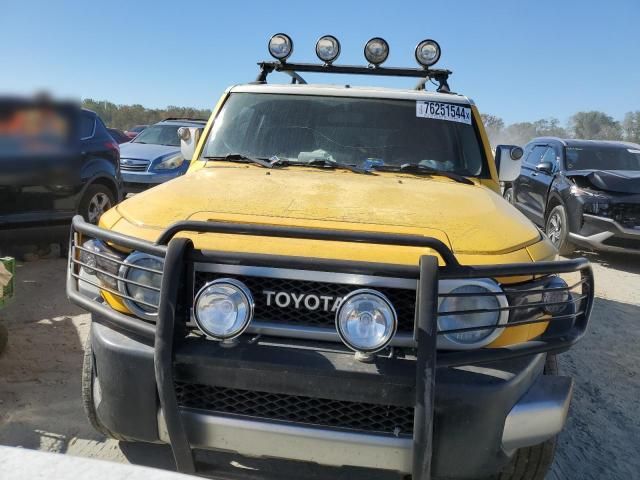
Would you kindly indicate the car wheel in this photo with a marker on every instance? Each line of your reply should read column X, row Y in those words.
column 508, row 194
column 557, row 229
column 91, row 390
column 96, row 200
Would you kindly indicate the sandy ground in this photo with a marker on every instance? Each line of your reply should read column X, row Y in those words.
column 40, row 404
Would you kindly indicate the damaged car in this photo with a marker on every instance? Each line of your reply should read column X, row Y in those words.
column 583, row 193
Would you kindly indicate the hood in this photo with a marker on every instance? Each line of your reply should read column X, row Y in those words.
column 469, row 218
column 146, row 151
column 620, row 181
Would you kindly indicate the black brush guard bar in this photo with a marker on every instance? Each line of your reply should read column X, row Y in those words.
column 177, row 252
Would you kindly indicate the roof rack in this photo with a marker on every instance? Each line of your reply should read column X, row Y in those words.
column 185, row 118
column 424, row 74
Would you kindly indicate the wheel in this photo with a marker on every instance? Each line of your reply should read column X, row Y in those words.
column 96, row 200
column 557, row 229
column 533, row 463
column 91, row 390
column 508, row 194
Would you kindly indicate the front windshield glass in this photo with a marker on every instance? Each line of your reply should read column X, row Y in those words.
column 609, row 157
column 159, row 135
column 350, row 131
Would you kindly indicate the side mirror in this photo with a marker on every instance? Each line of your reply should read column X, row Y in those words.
column 545, row 167
column 509, row 169
column 189, row 137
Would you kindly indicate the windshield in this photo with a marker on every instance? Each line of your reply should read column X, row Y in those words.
column 350, row 131
column 159, row 135
column 603, row 157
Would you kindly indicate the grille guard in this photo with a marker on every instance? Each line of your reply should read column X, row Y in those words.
column 178, row 252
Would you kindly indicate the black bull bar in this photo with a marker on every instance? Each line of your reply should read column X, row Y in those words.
column 178, row 252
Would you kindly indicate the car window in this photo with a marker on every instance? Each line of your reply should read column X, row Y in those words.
column 87, row 125
column 550, row 156
column 159, row 135
column 535, row 156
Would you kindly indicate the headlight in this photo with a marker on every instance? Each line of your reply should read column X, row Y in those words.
column 427, row 53
column 170, row 163
column 366, row 321
column 376, row 51
column 223, row 308
column 142, row 274
column 100, row 260
column 484, row 309
column 280, row 46
column 328, row 49
column 556, row 295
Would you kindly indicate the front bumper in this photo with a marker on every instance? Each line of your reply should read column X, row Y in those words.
column 605, row 234
column 467, row 404
column 135, row 182
column 481, row 414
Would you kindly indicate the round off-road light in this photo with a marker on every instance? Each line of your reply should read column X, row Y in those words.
column 470, row 304
column 427, row 53
column 328, row 49
column 223, row 308
column 280, row 46
column 376, row 51
column 556, row 296
column 366, row 321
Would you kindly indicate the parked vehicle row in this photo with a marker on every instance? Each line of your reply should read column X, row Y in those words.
column 582, row 193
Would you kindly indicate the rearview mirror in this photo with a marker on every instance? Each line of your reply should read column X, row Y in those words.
column 189, row 137
column 509, row 169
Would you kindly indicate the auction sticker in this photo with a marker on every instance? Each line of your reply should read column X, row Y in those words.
column 443, row 111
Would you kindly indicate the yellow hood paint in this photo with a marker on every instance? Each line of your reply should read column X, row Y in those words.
column 471, row 219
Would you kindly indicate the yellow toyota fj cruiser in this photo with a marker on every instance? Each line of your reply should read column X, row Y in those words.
column 336, row 280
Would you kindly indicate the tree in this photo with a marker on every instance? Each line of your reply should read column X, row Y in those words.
column 631, row 126
column 493, row 126
column 549, row 127
column 595, row 125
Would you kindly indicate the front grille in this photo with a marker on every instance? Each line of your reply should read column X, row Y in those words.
column 364, row 417
column 404, row 301
column 628, row 214
column 131, row 165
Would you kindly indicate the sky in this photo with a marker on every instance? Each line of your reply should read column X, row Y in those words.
column 519, row 60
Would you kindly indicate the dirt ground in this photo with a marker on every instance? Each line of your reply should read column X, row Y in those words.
column 40, row 405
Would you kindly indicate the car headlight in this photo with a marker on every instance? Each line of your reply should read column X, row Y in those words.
column 470, row 304
column 170, row 163
column 101, row 261
column 223, row 308
column 366, row 321
column 142, row 275
column 556, row 296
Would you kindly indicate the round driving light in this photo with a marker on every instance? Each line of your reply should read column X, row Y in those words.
column 376, row 51
column 427, row 53
column 556, row 296
column 366, row 321
column 143, row 274
column 280, row 46
column 460, row 309
column 328, row 48
column 223, row 308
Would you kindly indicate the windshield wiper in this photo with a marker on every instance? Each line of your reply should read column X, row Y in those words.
column 423, row 169
column 316, row 162
column 238, row 157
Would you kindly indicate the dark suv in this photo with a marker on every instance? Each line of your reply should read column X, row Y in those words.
column 56, row 161
column 582, row 192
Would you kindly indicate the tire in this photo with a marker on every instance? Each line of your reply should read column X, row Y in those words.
column 533, row 463
column 508, row 194
column 89, row 390
column 557, row 229
column 96, row 200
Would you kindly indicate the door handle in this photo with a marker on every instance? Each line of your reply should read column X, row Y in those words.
column 534, row 174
